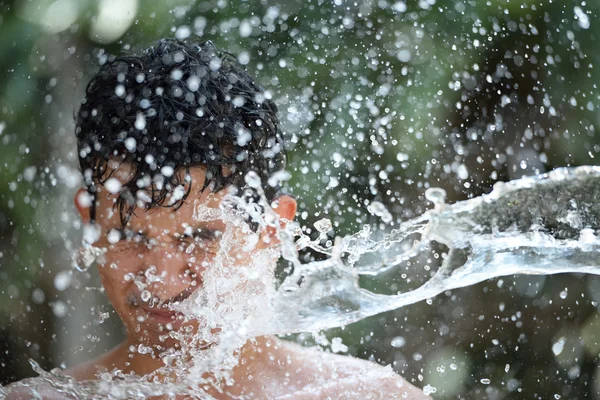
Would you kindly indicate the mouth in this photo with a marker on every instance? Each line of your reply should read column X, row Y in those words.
column 160, row 310
column 163, row 315
column 165, row 311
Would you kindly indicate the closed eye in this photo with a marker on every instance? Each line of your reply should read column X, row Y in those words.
column 129, row 237
column 206, row 235
column 200, row 240
column 128, row 234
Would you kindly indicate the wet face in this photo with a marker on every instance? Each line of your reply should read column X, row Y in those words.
column 158, row 259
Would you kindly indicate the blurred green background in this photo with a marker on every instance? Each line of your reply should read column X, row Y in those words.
column 379, row 100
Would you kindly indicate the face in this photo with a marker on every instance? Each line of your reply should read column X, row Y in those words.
column 160, row 257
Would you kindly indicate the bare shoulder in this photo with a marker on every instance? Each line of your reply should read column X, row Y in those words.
column 342, row 377
column 31, row 388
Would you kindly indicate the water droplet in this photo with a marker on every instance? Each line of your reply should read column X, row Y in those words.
column 337, row 346
column 145, row 296
column 398, row 342
column 437, row 196
column 253, row 180
column 62, row 280
column 323, row 225
column 428, row 389
column 140, row 121
column 582, row 18
column 130, row 144
column 113, row 185
column 558, row 347
column 113, row 236
column 378, row 209
column 167, row 171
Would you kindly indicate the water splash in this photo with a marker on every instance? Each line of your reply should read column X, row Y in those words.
column 546, row 224
column 538, row 225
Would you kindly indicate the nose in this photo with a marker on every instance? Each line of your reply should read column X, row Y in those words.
column 167, row 273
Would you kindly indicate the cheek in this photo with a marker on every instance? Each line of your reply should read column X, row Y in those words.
column 112, row 274
column 116, row 267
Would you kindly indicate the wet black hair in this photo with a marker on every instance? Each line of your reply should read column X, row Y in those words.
column 176, row 106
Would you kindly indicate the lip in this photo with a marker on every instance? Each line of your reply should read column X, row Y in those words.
column 162, row 315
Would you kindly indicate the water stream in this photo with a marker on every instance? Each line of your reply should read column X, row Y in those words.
column 545, row 224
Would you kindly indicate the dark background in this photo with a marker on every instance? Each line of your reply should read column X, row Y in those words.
column 379, row 100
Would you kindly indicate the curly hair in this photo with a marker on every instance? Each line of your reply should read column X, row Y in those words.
column 177, row 106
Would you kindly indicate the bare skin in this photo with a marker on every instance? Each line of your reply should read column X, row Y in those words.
column 275, row 369
column 268, row 368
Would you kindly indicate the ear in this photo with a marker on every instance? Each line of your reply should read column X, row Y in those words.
column 83, row 201
column 285, row 207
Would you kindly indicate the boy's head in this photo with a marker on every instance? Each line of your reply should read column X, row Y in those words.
column 159, row 136
column 177, row 106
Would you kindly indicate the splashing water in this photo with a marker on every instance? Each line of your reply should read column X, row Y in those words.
column 546, row 224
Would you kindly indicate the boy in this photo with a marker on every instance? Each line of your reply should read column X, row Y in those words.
column 163, row 138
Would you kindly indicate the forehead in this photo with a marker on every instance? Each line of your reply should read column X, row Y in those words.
column 159, row 217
